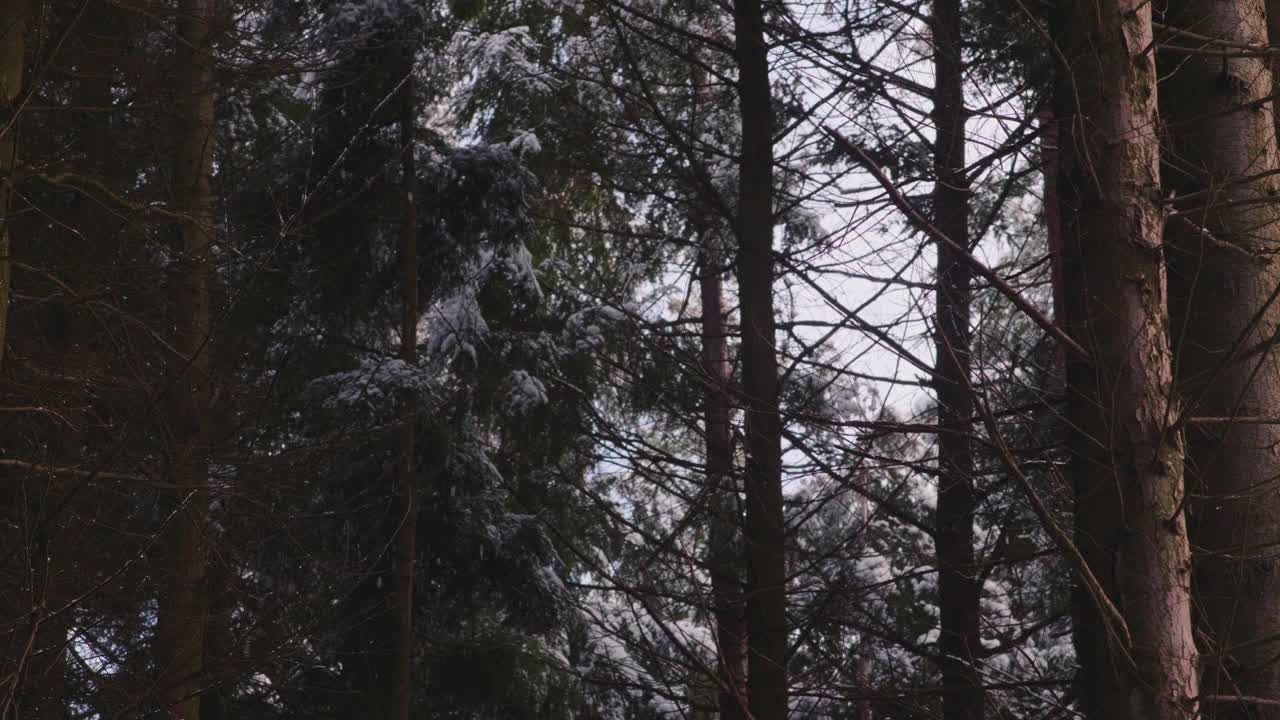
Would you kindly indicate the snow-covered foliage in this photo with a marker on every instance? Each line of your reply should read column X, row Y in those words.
column 644, row 663
column 585, row 330
column 376, row 383
column 354, row 21
column 527, row 393
column 506, row 52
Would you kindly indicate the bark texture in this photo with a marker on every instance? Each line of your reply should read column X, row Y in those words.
column 1223, row 272
column 766, row 603
column 183, row 607
column 406, row 539
column 959, row 640
column 725, row 547
column 1273, row 38
column 1126, row 458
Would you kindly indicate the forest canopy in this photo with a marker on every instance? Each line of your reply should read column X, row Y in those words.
column 639, row 360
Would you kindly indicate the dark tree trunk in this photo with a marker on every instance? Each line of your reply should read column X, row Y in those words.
column 766, row 604
column 959, row 592
column 182, row 616
column 220, row 651
column 1133, row 634
column 14, row 19
column 1220, row 138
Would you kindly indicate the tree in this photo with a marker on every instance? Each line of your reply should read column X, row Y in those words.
column 958, row 590
column 183, row 607
column 1218, row 169
column 724, row 543
column 1132, row 616
column 765, row 537
column 13, row 40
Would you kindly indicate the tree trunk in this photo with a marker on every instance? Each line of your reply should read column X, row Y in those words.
column 1273, row 37
column 181, row 627
column 959, row 637
column 766, row 603
column 14, row 19
column 725, row 547
column 1126, row 459
column 1221, row 135
column 406, row 550
column 220, row 651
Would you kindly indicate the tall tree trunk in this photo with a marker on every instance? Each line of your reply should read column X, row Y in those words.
column 181, row 629
column 1221, row 136
column 959, row 637
column 725, row 548
column 14, row 19
column 1126, row 458
column 220, row 650
column 406, row 549
column 766, row 604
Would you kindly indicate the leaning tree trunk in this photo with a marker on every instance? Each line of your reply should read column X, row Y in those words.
column 958, row 589
column 1222, row 274
column 725, row 555
column 406, row 538
column 765, row 536
column 14, row 18
column 181, row 625
column 1133, row 633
